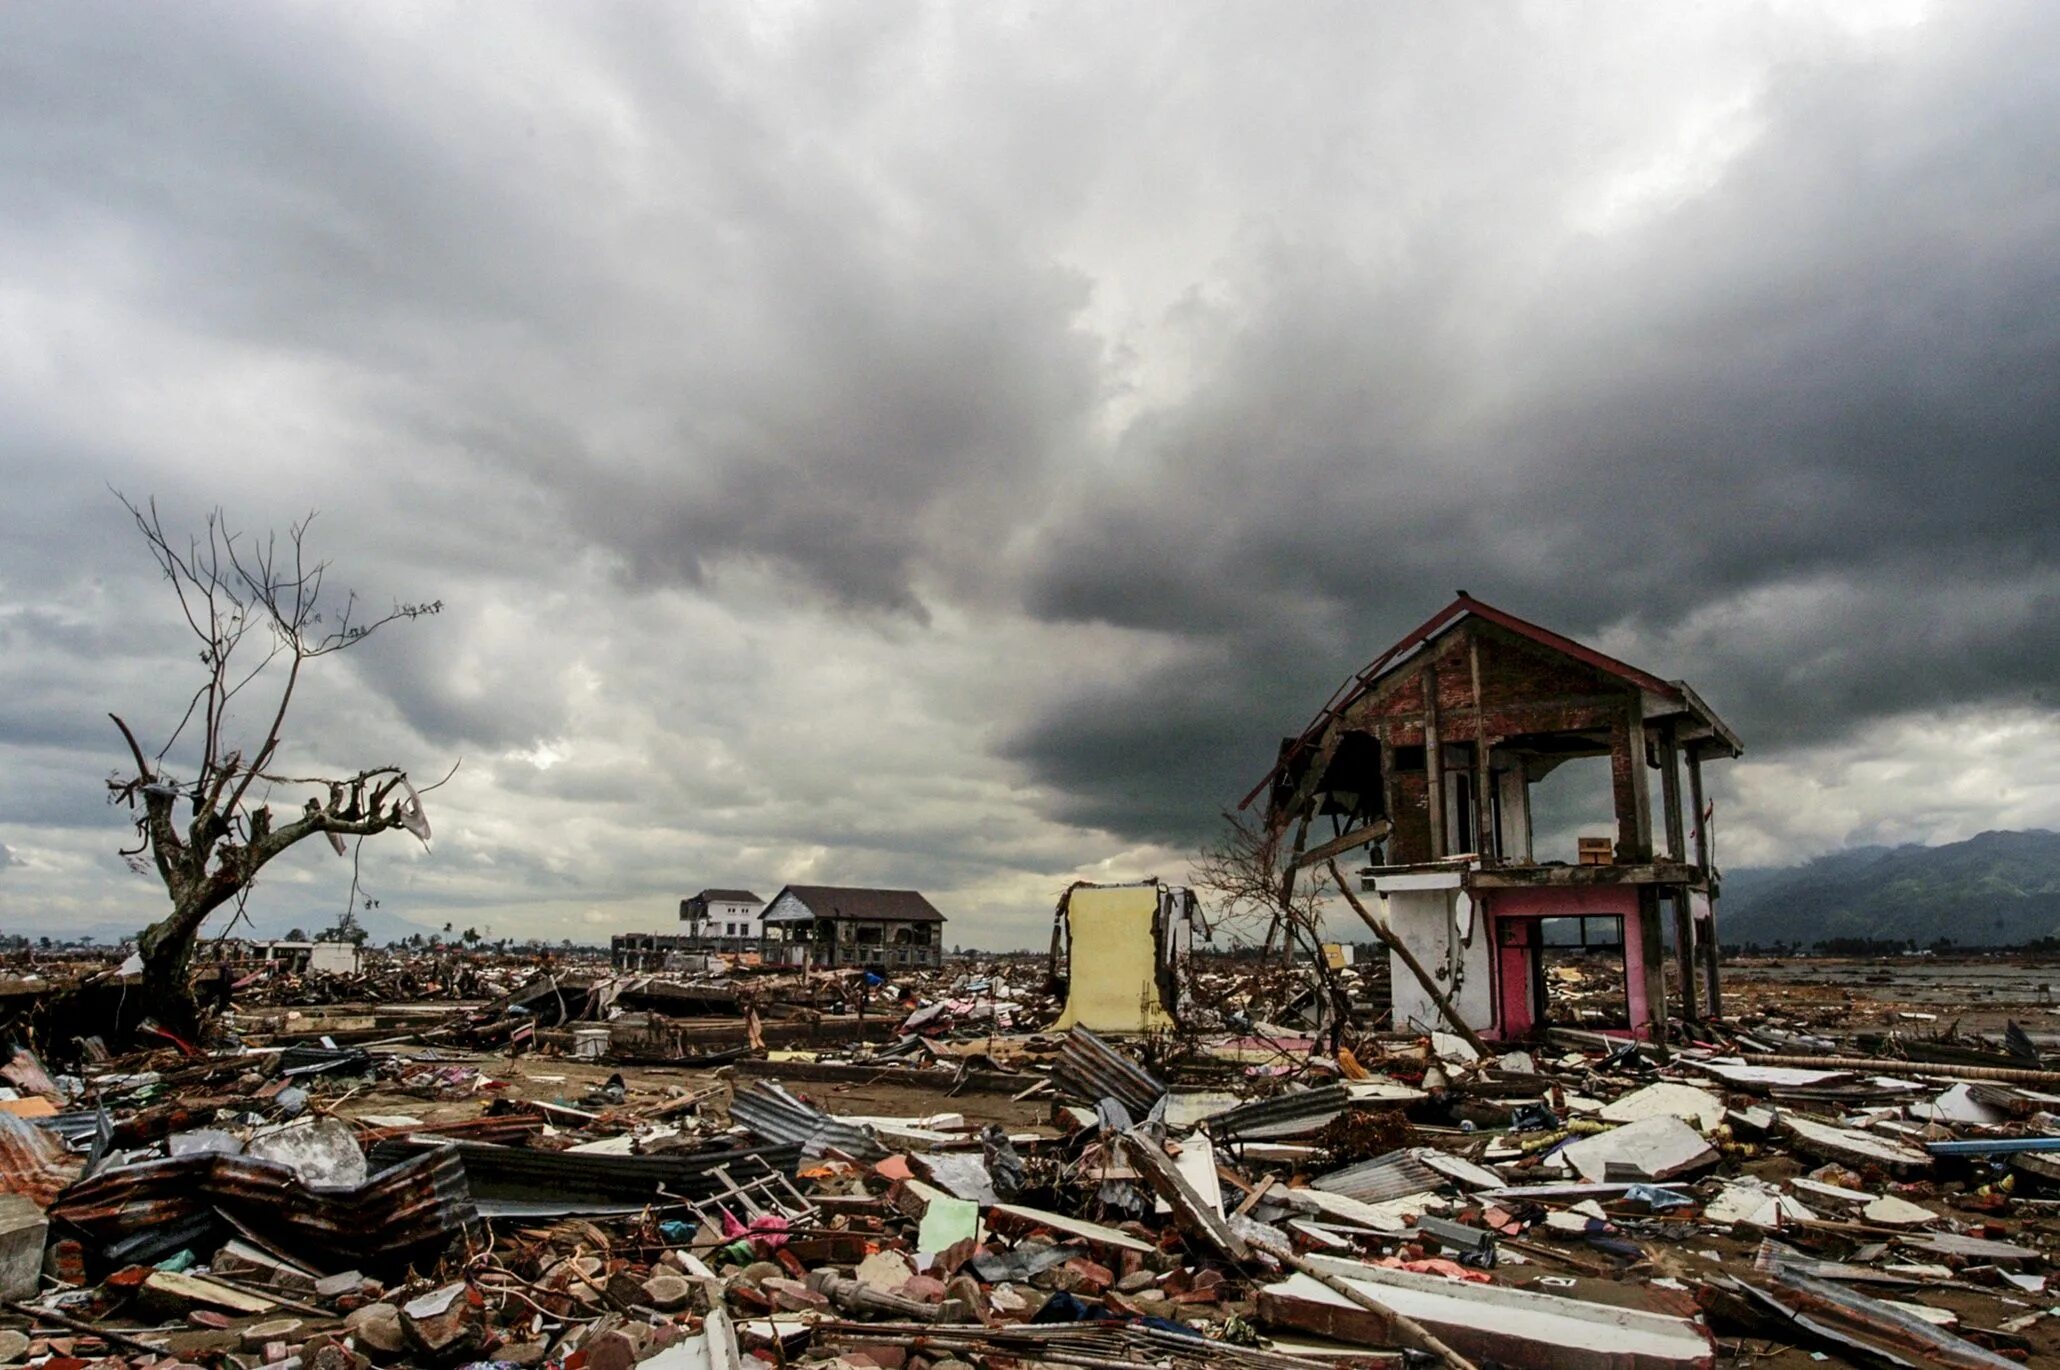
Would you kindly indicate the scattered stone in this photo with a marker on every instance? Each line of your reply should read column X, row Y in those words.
column 377, row 1327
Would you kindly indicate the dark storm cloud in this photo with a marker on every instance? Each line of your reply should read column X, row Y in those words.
column 730, row 341
column 1832, row 379
column 821, row 422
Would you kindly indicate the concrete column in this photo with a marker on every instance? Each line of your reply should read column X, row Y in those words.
column 1670, row 790
column 1631, row 787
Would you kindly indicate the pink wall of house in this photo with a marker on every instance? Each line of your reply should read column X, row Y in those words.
column 1513, row 1015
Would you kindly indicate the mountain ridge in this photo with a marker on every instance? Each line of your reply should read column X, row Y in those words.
column 1997, row 888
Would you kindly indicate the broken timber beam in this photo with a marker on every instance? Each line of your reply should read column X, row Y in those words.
column 1338, row 846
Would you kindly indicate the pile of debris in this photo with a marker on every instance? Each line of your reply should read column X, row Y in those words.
column 1587, row 1204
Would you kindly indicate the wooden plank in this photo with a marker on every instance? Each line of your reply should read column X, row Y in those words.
column 1338, row 846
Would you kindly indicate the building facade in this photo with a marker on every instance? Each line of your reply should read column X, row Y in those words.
column 722, row 920
column 830, row 925
column 1426, row 761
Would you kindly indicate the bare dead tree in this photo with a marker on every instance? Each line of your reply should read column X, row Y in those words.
column 259, row 612
column 1251, row 872
column 1255, row 890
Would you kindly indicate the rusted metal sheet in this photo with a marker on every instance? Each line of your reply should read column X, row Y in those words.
column 1284, row 1115
column 1090, row 1069
column 34, row 1163
column 401, row 1213
column 771, row 1112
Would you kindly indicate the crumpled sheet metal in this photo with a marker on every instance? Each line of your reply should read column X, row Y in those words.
column 34, row 1163
column 1847, row 1318
column 533, row 1181
column 1092, row 1070
column 771, row 1112
column 1284, row 1115
column 405, row 1211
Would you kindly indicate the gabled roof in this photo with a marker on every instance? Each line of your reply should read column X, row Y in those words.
column 861, row 905
column 729, row 897
column 1448, row 618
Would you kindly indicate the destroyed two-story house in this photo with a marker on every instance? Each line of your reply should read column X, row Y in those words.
column 833, row 925
column 1420, row 775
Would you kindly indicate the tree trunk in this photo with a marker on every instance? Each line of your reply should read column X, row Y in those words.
column 167, row 951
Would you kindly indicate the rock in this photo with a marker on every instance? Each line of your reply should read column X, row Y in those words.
column 1093, row 1278
column 13, row 1346
column 966, row 1291
column 792, row 1296
column 255, row 1335
column 377, row 1327
column 326, row 1353
column 1140, row 1279
column 337, row 1286
column 1015, row 1300
column 445, row 1323
column 610, row 1351
column 928, row 1288
column 755, row 1275
column 885, row 1271
column 668, row 1293
column 523, row 1353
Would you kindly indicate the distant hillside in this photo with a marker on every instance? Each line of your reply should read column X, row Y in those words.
column 1997, row 889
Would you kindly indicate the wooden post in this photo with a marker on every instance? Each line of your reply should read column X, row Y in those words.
column 1670, row 789
column 1483, row 777
column 1712, row 989
column 1684, row 949
column 1654, row 952
column 1702, row 837
column 1433, row 761
column 1523, row 795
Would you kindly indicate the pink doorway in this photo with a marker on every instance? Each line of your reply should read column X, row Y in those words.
column 1515, row 916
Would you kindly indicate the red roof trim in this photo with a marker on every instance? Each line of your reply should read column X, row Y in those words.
column 1349, row 692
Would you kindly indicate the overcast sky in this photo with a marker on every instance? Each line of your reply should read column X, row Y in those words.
column 948, row 446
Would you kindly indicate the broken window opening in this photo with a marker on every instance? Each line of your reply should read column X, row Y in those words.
column 1585, row 976
column 1572, row 799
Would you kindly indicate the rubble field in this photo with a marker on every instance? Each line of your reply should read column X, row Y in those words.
column 579, row 1168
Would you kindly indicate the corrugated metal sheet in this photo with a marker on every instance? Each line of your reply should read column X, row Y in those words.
column 771, row 1112
column 34, row 1163
column 402, row 1213
column 585, row 1180
column 1091, row 1069
column 1285, row 1115
column 1386, row 1177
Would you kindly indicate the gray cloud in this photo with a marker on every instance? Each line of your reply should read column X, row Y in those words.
column 950, row 449
column 1821, row 385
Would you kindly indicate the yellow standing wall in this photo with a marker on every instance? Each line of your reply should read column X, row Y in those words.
column 1112, row 977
